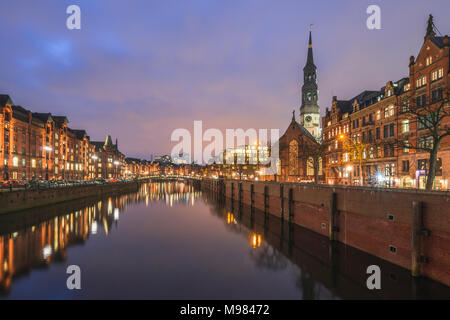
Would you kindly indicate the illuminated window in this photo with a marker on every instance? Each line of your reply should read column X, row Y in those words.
column 293, row 158
column 440, row 73
column 378, row 114
column 310, row 167
column 429, row 60
column 33, row 163
column 15, row 162
column 391, row 111
column 434, row 75
column 405, row 126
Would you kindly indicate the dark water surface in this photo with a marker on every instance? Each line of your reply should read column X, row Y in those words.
column 170, row 241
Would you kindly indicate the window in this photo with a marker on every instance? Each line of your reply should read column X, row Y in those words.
column 421, row 101
column 345, row 157
column 440, row 73
column 378, row 133
column 391, row 111
column 425, row 121
column 421, row 82
column 405, row 166
column 405, row 126
column 405, row 106
column 24, row 163
column 378, row 114
column 293, row 158
column 434, row 75
column 33, row 163
column 422, row 164
column 391, row 129
column 386, row 112
column 15, row 162
column 436, row 95
column 386, row 131
column 406, row 146
column 429, row 60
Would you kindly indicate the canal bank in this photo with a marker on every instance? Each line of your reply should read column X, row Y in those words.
column 409, row 228
column 27, row 199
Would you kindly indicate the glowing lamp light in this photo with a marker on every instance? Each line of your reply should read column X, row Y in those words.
column 256, row 240
column 47, row 251
column 94, row 227
column 47, row 148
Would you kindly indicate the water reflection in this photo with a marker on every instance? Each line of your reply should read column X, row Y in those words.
column 279, row 255
column 31, row 240
column 325, row 270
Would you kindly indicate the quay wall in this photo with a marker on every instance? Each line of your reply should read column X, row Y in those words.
column 410, row 228
column 26, row 199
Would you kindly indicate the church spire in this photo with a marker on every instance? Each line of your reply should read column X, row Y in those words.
column 310, row 60
column 309, row 109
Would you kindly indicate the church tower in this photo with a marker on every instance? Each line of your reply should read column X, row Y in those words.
column 309, row 110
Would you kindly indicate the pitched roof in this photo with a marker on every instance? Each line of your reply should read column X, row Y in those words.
column 44, row 117
column 439, row 41
column 79, row 133
column 5, row 99
column 301, row 128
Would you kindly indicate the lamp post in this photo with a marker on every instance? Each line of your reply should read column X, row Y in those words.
column 47, row 150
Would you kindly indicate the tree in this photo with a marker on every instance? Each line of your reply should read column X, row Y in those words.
column 358, row 150
column 432, row 116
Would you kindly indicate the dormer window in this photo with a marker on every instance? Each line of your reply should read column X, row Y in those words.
column 389, row 93
column 407, row 87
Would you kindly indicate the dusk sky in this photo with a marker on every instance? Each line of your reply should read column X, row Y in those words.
column 140, row 69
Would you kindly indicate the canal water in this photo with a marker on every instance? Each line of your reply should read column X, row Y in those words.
column 170, row 241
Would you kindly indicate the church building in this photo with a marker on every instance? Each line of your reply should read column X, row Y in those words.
column 300, row 139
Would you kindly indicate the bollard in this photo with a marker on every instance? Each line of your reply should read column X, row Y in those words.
column 416, row 226
column 252, row 195
column 232, row 191
column 266, row 198
column 282, row 201
column 291, row 204
column 333, row 210
column 240, row 193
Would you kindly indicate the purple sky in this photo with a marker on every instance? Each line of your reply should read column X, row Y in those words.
column 140, row 69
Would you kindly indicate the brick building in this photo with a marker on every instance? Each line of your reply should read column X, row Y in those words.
column 41, row 146
column 295, row 165
column 381, row 122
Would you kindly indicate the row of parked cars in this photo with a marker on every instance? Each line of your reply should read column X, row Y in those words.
column 43, row 184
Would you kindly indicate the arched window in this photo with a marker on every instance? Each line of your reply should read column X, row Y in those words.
column 310, row 166
column 293, row 158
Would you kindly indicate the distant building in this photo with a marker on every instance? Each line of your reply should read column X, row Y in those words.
column 41, row 146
